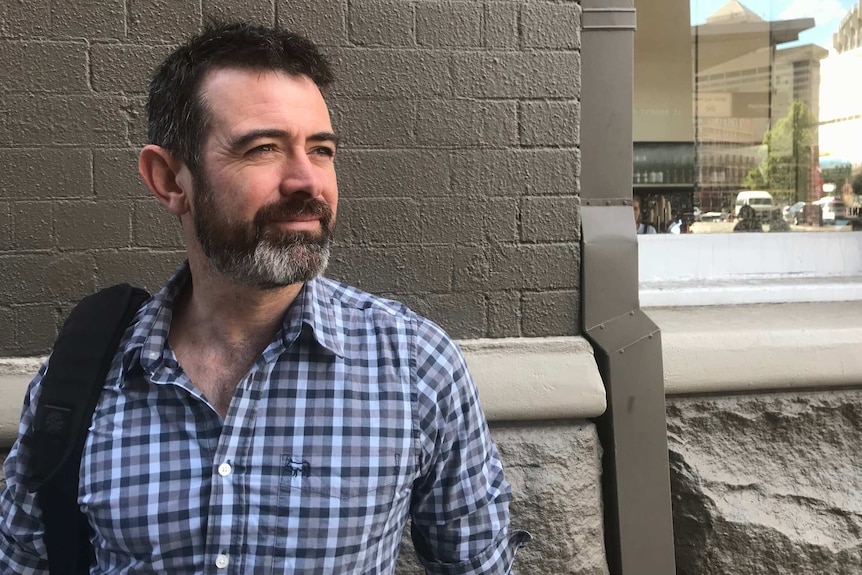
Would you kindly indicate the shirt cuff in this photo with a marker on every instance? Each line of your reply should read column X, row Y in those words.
column 497, row 559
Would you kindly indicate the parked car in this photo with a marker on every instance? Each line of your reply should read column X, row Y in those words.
column 794, row 214
column 831, row 209
column 760, row 202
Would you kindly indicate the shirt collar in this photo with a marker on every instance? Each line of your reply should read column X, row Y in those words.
column 313, row 307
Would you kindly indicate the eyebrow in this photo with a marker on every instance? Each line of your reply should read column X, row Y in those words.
column 249, row 137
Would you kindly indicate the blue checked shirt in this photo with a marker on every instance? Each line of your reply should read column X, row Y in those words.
column 359, row 414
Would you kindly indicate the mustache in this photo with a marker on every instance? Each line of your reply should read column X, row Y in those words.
column 294, row 207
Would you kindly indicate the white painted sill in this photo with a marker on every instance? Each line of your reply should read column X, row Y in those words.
column 755, row 312
column 518, row 379
column 761, row 347
column 725, row 269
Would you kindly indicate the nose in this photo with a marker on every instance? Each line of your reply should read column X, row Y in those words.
column 299, row 176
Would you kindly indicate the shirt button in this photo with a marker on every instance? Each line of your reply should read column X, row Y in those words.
column 221, row 561
column 224, row 469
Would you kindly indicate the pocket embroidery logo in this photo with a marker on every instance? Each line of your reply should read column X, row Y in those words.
column 298, row 468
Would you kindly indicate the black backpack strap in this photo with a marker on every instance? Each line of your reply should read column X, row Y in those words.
column 71, row 387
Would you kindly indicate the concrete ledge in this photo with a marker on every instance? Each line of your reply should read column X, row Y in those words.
column 760, row 347
column 536, row 378
column 518, row 379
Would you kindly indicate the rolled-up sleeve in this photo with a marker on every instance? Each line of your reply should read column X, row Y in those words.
column 22, row 547
column 460, row 506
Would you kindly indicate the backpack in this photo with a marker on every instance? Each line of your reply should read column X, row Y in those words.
column 71, row 386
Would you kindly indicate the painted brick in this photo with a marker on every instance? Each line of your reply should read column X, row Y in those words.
column 501, row 219
column 8, row 330
column 471, row 269
column 24, row 17
column 489, row 172
column 553, row 172
column 517, row 74
column 551, row 25
column 449, row 24
column 153, row 226
column 460, row 315
column 5, row 227
column 88, row 225
column 125, row 68
column 88, row 18
column 449, row 122
column 43, row 66
column 115, row 175
column 391, row 73
column 324, row 21
column 40, row 278
column 466, row 122
column 45, row 173
column 32, row 225
column 550, row 123
column 397, row 269
column 343, row 234
column 551, row 314
column 501, row 25
column 163, row 19
column 500, row 124
column 136, row 122
column 392, row 173
column 146, row 269
column 504, row 314
column 37, row 328
column 382, row 23
column 531, row 267
column 38, row 119
column 258, row 11
column 373, row 123
column 555, row 219
column 383, row 221
column 447, row 220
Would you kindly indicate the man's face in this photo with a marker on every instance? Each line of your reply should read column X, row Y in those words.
column 636, row 204
column 265, row 193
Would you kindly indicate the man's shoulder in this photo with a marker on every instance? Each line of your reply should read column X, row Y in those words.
column 377, row 310
column 353, row 298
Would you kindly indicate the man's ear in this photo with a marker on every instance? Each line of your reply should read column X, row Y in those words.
column 162, row 173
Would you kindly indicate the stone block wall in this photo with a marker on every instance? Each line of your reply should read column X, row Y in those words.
column 459, row 172
column 767, row 484
column 556, row 486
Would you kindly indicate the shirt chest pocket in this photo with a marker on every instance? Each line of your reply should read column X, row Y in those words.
column 362, row 472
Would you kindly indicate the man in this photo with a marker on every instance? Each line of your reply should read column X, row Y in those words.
column 259, row 418
column 748, row 221
column 640, row 226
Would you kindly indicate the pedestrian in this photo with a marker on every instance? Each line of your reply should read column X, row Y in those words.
column 641, row 227
column 258, row 417
column 748, row 221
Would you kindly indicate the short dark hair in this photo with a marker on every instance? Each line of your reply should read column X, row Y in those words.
column 176, row 116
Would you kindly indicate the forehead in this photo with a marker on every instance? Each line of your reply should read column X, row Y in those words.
column 234, row 96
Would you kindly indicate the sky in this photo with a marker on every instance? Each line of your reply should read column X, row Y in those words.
column 827, row 14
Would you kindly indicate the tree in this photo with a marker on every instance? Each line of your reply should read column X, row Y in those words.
column 789, row 151
column 857, row 185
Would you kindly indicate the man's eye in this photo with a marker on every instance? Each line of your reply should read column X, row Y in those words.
column 323, row 151
column 262, row 149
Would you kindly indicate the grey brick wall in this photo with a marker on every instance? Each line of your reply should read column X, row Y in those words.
column 459, row 173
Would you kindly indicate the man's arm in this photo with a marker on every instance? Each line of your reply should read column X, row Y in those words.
column 22, row 547
column 460, row 505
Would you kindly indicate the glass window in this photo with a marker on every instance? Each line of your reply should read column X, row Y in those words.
column 746, row 116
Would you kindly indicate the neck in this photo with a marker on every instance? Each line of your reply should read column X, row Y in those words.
column 227, row 313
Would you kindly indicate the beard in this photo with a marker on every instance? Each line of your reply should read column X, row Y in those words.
column 259, row 254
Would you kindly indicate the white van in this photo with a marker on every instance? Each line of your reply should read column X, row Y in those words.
column 760, row 201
